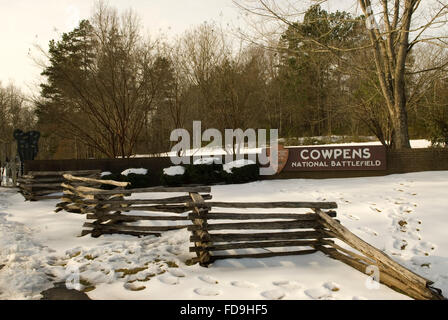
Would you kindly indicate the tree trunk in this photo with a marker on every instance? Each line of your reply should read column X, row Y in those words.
column 401, row 132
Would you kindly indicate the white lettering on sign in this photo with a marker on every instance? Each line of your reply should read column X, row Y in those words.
column 337, row 158
column 346, row 154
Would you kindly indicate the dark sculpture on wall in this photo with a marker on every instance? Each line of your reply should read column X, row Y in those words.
column 27, row 144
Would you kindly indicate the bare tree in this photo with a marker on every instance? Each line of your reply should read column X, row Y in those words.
column 394, row 28
column 15, row 113
column 101, row 82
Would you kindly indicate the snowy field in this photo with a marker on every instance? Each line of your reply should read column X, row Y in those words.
column 405, row 215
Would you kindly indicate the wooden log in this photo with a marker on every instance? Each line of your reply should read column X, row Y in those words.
column 41, row 185
column 182, row 199
column 259, row 244
column 157, row 208
column 228, row 237
column 263, row 255
column 98, row 233
column 40, row 180
column 384, row 278
column 135, row 218
column 123, row 227
column 348, row 252
column 260, row 216
column 98, row 181
column 285, row 225
column 320, row 205
column 153, row 189
column 72, row 188
column 86, row 190
column 204, row 255
column 27, row 176
column 36, row 198
column 61, row 173
column 42, row 192
column 384, row 261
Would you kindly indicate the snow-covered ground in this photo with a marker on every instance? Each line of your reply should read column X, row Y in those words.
column 405, row 215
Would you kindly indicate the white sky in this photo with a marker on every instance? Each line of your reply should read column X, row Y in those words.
column 25, row 23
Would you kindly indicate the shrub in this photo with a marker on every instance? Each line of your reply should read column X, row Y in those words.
column 135, row 180
column 138, row 180
column 113, row 176
column 204, row 173
column 243, row 174
column 176, row 180
column 207, row 174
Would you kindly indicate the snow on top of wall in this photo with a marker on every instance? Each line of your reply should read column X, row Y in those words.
column 237, row 164
column 135, row 170
column 420, row 143
column 174, row 171
column 207, row 160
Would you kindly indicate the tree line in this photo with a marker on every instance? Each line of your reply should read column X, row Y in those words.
column 110, row 91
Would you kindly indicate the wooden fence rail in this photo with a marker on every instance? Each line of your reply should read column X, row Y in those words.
column 306, row 233
column 112, row 213
column 41, row 185
column 300, row 230
column 392, row 273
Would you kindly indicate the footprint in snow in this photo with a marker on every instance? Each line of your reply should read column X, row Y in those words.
column 318, row 293
column 288, row 285
column 167, row 279
column 133, row 287
column 275, row 294
column 207, row 292
column 208, row 279
column 174, row 250
column 243, row 284
column 332, row 286
column 351, row 217
column 405, row 208
column 400, row 244
column 374, row 209
column 368, row 231
column 424, row 248
column 177, row 273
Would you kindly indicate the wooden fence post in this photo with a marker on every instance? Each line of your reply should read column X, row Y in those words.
column 200, row 220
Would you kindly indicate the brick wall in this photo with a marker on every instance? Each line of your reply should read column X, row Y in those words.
column 428, row 159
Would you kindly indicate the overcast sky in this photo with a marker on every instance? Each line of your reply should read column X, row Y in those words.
column 24, row 23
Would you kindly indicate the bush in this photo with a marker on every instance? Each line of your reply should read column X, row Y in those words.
column 244, row 174
column 204, row 173
column 176, row 180
column 113, row 176
column 138, row 180
column 207, row 174
column 135, row 180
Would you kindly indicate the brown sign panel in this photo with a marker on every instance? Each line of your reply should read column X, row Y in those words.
column 327, row 158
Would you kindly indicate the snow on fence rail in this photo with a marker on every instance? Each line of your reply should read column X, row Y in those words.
column 40, row 185
column 293, row 232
